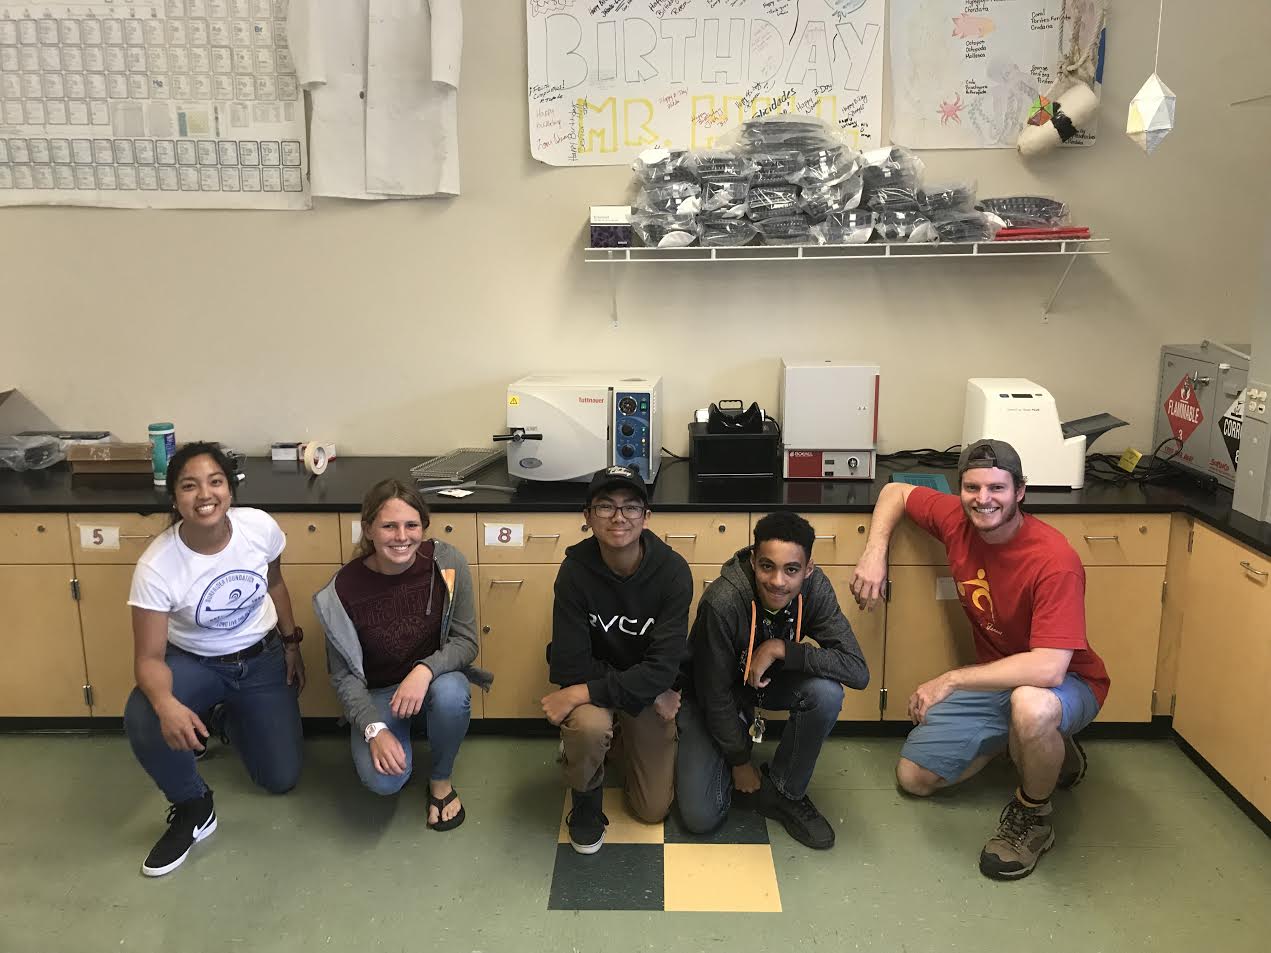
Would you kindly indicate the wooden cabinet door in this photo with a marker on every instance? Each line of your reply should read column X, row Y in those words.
column 1123, row 624
column 532, row 537
column 840, row 537
column 702, row 538
column 312, row 538
column 119, row 538
column 703, row 576
column 869, row 628
column 43, row 674
column 515, row 623
column 926, row 634
column 1225, row 663
column 108, row 644
column 318, row 700
column 1115, row 539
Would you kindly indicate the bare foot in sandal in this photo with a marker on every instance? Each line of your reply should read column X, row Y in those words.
column 444, row 805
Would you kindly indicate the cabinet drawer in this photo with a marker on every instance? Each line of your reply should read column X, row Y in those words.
column 544, row 537
column 1115, row 539
column 840, row 539
column 458, row 529
column 113, row 537
column 311, row 537
column 709, row 538
column 36, row 538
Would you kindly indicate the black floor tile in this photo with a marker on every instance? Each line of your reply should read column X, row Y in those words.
column 742, row 826
column 617, row 877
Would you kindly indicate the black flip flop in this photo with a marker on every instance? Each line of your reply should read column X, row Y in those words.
column 441, row 802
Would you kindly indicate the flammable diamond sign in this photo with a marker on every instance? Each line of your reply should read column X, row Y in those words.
column 1183, row 410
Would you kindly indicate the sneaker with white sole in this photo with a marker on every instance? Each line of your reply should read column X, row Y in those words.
column 587, row 821
column 1023, row 835
column 188, row 823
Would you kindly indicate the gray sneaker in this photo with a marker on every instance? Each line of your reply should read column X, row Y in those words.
column 1023, row 835
column 1074, row 766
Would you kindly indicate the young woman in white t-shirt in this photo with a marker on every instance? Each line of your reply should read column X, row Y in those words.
column 212, row 624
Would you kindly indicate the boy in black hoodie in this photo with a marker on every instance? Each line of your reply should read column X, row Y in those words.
column 619, row 633
column 749, row 654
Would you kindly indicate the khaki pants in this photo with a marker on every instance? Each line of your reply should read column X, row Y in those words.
column 646, row 745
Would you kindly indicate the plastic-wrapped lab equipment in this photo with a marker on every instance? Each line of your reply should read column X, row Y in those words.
column 674, row 198
column 30, row 453
column 947, row 197
column 1027, row 211
column 786, row 230
column 773, row 201
column 723, row 233
column 852, row 227
column 659, row 230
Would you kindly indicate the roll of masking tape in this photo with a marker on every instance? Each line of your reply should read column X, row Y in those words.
column 315, row 458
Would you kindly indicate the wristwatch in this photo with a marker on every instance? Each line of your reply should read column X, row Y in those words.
column 297, row 636
column 373, row 729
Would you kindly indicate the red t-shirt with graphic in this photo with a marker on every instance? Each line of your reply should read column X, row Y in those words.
column 1023, row 594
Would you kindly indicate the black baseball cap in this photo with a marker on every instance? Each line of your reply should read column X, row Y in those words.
column 618, row 477
column 991, row 453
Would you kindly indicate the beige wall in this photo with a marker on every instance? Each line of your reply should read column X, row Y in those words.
column 395, row 328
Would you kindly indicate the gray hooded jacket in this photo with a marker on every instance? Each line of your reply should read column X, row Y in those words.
column 457, row 652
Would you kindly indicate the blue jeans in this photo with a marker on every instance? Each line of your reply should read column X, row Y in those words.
column 262, row 717
column 445, row 716
column 704, row 780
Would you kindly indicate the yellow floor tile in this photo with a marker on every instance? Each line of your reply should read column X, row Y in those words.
column 721, row 878
column 623, row 828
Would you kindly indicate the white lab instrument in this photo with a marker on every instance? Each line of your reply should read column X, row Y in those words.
column 1023, row 414
column 568, row 426
column 829, row 420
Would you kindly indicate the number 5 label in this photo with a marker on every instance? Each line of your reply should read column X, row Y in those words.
column 504, row 534
column 99, row 537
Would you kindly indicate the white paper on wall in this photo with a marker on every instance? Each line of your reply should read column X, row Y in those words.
column 161, row 104
column 968, row 74
column 610, row 78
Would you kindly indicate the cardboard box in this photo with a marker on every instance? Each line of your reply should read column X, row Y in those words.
column 611, row 226
column 110, row 458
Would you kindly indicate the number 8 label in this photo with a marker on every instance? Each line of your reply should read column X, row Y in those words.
column 504, row 534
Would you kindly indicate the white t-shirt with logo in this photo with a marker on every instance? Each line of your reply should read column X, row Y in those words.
column 216, row 604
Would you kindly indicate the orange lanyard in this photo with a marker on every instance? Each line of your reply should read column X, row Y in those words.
column 750, row 649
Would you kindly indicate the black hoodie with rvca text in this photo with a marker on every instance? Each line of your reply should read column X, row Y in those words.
column 625, row 637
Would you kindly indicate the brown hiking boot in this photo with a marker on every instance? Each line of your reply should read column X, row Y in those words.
column 1074, row 766
column 1023, row 835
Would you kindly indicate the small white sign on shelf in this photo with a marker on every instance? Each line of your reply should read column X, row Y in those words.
column 504, row 534
column 946, row 588
column 99, row 537
column 355, row 532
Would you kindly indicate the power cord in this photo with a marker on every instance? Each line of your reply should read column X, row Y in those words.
column 1103, row 466
column 945, row 459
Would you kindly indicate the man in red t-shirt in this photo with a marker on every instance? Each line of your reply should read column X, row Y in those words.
column 1036, row 681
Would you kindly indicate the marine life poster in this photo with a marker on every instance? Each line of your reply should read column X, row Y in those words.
column 969, row 74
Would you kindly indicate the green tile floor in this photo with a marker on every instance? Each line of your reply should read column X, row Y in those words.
column 1150, row 856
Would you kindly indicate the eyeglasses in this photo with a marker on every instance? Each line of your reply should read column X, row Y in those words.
column 606, row 511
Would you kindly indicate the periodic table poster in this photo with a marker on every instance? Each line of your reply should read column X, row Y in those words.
column 157, row 104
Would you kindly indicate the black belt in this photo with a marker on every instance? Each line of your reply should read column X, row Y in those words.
column 243, row 654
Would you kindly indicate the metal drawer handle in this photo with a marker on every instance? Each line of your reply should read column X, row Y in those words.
column 681, row 536
column 147, row 536
column 1092, row 539
column 831, row 536
column 1257, row 572
column 706, row 582
column 543, row 536
column 507, row 582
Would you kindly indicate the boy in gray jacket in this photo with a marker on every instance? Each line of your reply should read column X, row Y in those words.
column 749, row 654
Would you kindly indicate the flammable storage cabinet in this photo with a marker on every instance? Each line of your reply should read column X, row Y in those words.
column 1200, row 402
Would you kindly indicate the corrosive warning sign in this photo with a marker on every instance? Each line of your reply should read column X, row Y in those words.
column 1231, row 422
column 1183, row 410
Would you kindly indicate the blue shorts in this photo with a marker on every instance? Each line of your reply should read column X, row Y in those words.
column 969, row 724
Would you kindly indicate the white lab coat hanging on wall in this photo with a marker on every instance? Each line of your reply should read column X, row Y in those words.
column 383, row 79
